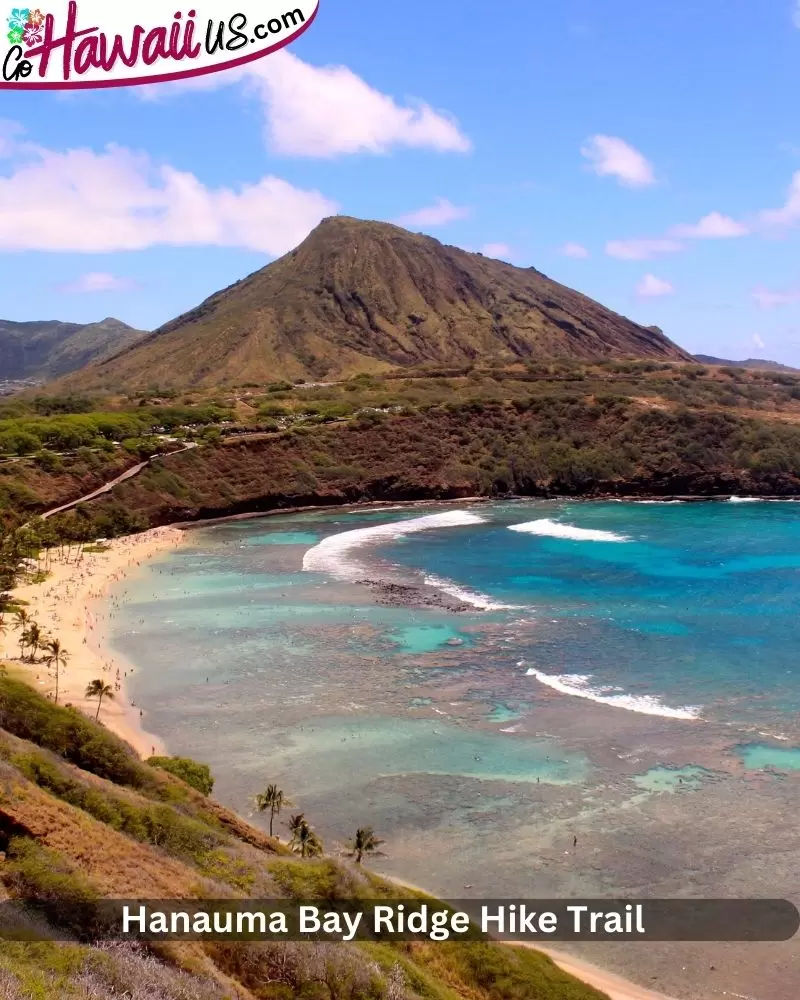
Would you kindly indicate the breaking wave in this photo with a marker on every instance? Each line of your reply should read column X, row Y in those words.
column 477, row 600
column 554, row 529
column 579, row 686
column 333, row 554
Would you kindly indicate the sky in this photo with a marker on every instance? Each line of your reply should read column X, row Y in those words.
column 646, row 154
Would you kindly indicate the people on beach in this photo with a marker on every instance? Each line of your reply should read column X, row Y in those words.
column 63, row 604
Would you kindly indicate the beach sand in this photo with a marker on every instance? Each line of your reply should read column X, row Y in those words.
column 615, row 987
column 62, row 606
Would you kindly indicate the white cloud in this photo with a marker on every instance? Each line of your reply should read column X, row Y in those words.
column 99, row 281
column 500, row 251
column 574, row 250
column 439, row 213
column 789, row 213
column 713, row 226
column 758, row 341
column 327, row 111
column 642, row 249
column 652, row 287
column 796, row 14
column 610, row 156
column 90, row 202
column 768, row 299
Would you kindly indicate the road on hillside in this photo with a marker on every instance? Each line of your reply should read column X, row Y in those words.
column 107, row 487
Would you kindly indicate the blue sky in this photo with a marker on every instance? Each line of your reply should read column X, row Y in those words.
column 647, row 154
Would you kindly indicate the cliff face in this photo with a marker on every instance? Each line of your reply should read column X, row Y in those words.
column 367, row 296
column 447, row 453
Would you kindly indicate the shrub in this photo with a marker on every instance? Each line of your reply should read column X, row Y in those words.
column 66, row 732
column 188, row 770
column 152, row 823
column 41, row 876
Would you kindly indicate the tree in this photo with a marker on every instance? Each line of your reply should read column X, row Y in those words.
column 274, row 800
column 304, row 841
column 33, row 639
column 56, row 657
column 99, row 689
column 364, row 842
column 23, row 618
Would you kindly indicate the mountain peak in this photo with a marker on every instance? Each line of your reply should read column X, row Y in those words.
column 367, row 296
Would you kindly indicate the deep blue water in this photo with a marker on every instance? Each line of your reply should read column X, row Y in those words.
column 697, row 606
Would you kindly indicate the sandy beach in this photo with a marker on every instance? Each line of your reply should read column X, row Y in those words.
column 64, row 606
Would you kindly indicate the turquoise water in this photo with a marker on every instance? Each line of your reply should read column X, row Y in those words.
column 758, row 757
column 617, row 668
column 672, row 779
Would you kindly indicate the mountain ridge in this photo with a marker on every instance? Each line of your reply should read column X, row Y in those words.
column 709, row 359
column 42, row 349
column 358, row 296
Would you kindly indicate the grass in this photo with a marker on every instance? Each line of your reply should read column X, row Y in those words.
column 482, row 970
column 46, row 881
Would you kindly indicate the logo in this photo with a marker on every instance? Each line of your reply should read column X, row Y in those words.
column 91, row 43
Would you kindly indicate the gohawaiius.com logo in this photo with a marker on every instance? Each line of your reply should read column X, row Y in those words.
column 93, row 43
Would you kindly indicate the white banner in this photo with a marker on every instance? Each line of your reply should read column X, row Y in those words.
column 93, row 43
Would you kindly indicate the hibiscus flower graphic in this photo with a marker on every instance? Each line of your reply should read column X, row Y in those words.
column 33, row 34
column 15, row 36
column 18, row 20
column 35, row 18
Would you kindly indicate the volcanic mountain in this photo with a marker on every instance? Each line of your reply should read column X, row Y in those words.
column 361, row 296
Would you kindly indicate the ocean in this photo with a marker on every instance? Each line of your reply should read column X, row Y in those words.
column 623, row 673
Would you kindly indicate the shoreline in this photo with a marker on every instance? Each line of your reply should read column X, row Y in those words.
column 63, row 605
column 614, row 986
column 205, row 522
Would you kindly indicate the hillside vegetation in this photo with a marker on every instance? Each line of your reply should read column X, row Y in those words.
column 542, row 429
column 361, row 296
column 83, row 819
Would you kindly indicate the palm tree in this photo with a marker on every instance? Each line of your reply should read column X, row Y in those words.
column 34, row 639
column 304, row 841
column 364, row 842
column 23, row 618
column 99, row 689
column 274, row 800
column 56, row 657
